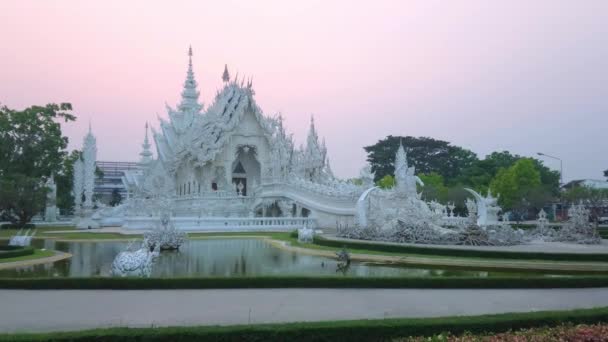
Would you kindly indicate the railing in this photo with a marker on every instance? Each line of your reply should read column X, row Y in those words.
column 223, row 223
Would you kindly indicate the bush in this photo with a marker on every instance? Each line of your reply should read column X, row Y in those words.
column 15, row 251
column 458, row 252
column 359, row 330
column 16, row 226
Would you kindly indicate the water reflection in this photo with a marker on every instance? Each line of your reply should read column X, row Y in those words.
column 213, row 257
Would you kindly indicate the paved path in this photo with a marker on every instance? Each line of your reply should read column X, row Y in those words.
column 34, row 310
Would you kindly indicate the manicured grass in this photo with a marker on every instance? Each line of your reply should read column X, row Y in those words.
column 37, row 254
column 502, row 282
column 6, row 233
column 357, row 330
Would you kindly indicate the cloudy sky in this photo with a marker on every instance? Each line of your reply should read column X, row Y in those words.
column 523, row 76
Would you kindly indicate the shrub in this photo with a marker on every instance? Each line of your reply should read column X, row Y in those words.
column 16, row 226
column 15, row 251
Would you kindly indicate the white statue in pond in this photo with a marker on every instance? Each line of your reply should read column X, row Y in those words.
column 135, row 263
column 306, row 235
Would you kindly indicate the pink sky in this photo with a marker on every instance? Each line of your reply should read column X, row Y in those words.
column 524, row 76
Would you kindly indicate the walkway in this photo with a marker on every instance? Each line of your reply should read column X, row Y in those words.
column 57, row 310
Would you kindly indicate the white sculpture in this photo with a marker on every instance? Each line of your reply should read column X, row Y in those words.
column 137, row 263
column 50, row 211
column 578, row 229
column 78, row 185
column 166, row 236
column 306, row 235
column 487, row 208
column 84, row 183
column 405, row 177
column 22, row 240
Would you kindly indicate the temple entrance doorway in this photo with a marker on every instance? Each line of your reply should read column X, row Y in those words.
column 245, row 170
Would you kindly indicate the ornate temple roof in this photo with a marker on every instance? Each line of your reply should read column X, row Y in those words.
column 192, row 134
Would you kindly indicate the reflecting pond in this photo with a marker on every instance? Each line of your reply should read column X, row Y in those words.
column 215, row 257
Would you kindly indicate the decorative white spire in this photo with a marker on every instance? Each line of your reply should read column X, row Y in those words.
column 146, row 154
column 190, row 93
column 89, row 157
column 226, row 74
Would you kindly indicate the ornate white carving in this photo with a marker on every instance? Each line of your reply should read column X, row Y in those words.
column 21, row 240
column 487, row 208
column 306, row 235
column 50, row 211
column 135, row 263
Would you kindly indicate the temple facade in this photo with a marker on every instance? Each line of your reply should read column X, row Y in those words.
column 222, row 163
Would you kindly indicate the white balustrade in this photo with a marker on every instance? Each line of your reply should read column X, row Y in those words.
column 224, row 223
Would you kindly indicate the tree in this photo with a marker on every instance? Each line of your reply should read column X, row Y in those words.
column 386, row 182
column 516, row 183
column 32, row 148
column 426, row 154
column 434, row 187
column 481, row 173
column 606, row 174
column 116, row 198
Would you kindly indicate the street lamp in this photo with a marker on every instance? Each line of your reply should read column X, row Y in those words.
column 561, row 175
column 561, row 166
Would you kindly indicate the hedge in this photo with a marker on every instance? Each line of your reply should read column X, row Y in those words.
column 15, row 251
column 16, row 226
column 459, row 252
column 303, row 282
column 358, row 330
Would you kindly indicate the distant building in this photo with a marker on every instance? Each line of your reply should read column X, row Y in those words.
column 112, row 179
column 589, row 183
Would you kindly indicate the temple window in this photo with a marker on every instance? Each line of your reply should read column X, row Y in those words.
column 214, row 186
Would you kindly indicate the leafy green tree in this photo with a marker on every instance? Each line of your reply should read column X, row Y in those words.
column 481, row 173
column 515, row 183
column 426, row 154
column 32, row 148
column 386, row 182
column 434, row 187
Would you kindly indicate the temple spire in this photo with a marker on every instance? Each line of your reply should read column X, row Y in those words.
column 146, row 154
column 226, row 74
column 190, row 93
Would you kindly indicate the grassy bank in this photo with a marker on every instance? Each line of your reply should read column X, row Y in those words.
column 36, row 254
column 9, row 252
column 304, row 282
column 458, row 252
column 358, row 330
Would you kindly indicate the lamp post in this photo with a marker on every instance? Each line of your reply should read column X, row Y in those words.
column 561, row 175
column 561, row 166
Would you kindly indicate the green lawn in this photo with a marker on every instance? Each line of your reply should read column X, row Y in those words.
column 38, row 253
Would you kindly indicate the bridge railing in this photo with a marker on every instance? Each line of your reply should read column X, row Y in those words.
column 224, row 223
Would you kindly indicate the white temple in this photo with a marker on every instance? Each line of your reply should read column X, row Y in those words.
column 229, row 166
